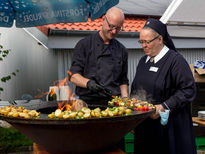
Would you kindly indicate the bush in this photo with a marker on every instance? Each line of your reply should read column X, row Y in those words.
column 11, row 140
column 3, row 54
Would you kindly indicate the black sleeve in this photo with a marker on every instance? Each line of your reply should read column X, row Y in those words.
column 134, row 82
column 78, row 58
column 133, row 87
column 184, row 83
column 124, row 78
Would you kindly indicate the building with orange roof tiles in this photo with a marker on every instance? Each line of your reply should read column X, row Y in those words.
column 131, row 24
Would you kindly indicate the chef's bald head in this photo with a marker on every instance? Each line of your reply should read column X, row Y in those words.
column 115, row 13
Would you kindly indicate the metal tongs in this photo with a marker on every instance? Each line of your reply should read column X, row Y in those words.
column 108, row 92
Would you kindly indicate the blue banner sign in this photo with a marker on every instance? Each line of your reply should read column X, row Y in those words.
column 31, row 13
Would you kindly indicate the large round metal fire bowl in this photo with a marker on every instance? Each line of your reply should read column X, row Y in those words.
column 58, row 136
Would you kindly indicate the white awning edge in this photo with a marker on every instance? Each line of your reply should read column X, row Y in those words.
column 170, row 10
column 37, row 35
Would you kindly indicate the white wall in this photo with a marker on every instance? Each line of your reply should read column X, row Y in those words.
column 37, row 65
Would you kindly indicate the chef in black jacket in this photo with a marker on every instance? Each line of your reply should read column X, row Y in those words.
column 99, row 64
column 165, row 78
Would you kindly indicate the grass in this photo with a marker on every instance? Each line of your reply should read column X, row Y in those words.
column 11, row 140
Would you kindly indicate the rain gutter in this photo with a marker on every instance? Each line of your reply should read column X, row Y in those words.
column 186, row 25
column 67, row 39
column 64, row 32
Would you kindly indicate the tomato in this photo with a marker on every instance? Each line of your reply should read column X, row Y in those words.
column 146, row 108
column 136, row 108
column 117, row 104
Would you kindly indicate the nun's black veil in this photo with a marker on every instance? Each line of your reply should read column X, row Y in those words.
column 161, row 29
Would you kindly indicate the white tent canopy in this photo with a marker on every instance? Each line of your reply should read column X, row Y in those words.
column 190, row 12
column 187, row 19
column 144, row 7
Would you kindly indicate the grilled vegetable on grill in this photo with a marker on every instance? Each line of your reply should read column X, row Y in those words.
column 133, row 104
column 85, row 113
column 13, row 111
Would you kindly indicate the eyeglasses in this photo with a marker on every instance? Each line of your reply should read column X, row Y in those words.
column 112, row 27
column 148, row 41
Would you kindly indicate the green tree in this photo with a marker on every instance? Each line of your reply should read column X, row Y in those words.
column 3, row 54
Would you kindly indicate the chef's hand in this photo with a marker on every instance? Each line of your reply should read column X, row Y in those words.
column 156, row 114
column 93, row 86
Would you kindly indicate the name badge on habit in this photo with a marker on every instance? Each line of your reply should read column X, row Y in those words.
column 153, row 69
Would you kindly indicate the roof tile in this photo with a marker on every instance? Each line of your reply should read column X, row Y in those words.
column 131, row 24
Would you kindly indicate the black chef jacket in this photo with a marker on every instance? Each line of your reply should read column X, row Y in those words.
column 106, row 64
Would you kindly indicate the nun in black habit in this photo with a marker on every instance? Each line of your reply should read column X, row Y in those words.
column 163, row 77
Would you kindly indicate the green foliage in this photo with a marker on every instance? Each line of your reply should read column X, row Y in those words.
column 3, row 54
column 11, row 140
